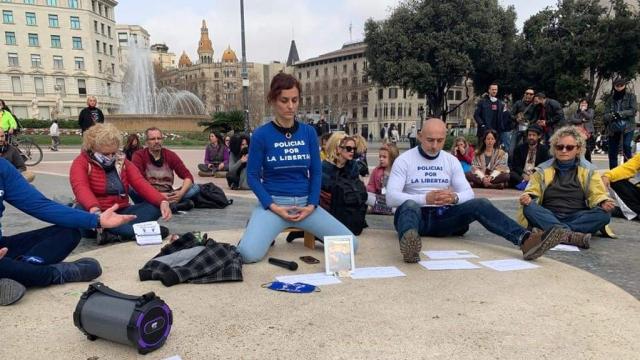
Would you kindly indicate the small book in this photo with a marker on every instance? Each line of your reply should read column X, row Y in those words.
column 338, row 255
column 147, row 233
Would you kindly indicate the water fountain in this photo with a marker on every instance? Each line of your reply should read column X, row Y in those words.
column 144, row 105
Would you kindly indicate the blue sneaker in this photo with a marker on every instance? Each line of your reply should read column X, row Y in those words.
column 85, row 269
column 10, row 291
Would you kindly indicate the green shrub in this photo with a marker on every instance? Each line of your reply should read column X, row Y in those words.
column 45, row 124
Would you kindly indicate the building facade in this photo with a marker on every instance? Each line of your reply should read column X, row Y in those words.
column 55, row 53
column 162, row 58
column 130, row 35
column 335, row 86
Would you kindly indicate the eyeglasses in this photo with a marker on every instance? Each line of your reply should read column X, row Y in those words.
column 348, row 148
column 567, row 147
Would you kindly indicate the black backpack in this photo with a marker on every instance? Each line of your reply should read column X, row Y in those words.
column 349, row 203
column 211, row 197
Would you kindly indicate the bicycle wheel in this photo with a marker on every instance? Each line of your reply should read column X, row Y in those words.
column 31, row 152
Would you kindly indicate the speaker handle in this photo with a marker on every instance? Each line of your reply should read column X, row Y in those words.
column 100, row 287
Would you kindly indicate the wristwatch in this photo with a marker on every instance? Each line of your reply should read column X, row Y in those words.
column 99, row 225
column 455, row 198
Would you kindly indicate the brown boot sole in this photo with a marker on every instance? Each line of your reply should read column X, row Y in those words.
column 550, row 239
column 410, row 246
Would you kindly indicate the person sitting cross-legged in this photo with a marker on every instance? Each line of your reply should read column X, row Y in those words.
column 567, row 191
column 624, row 180
column 489, row 168
column 527, row 156
column 34, row 258
column 101, row 176
column 434, row 199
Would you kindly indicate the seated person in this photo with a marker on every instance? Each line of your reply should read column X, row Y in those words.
column 464, row 152
column 434, row 199
column 132, row 145
column 526, row 157
column 227, row 152
column 323, row 145
column 489, row 168
column 623, row 179
column 377, row 186
column 157, row 164
column 238, row 157
column 566, row 191
column 361, row 155
column 214, row 156
column 284, row 172
column 101, row 176
column 34, row 258
column 13, row 155
column 340, row 153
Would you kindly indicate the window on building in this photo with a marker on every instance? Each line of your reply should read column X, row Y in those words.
column 111, row 50
column 354, row 81
column 344, row 68
column 57, row 62
column 335, row 69
column 345, row 98
column 52, row 2
column 409, row 112
column 61, row 86
column 77, row 42
column 93, row 5
column 375, row 111
column 109, row 31
column 385, row 112
column 365, row 79
column 38, row 83
column 393, row 110
column 354, row 113
column 400, row 114
column 450, row 95
column 122, row 38
column 404, row 93
column 82, row 87
column 13, row 59
column 102, row 29
column 10, row 38
column 325, row 99
column 364, row 96
column 16, row 84
column 365, row 112
column 33, row 40
column 345, row 82
column 55, row 41
column 317, row 72
column 308, row 74
column 458, row 95
column 36, row 61
column 31, row 18
column 75, row 22
column 30, row 2
column 98, row 45
column 99, row 65
column 393, row 93
column 99, row 8
column 355, row 66
column 335, row 98
column 95, row 26
column 113, row 68
column 380, row 94
column 79, row 63
column 53, row 21
column 73, row 4
column 326, row 71
column 109, row 89
column 7, row 16
column 354, row 96
column 106, row 11
column 104, row 48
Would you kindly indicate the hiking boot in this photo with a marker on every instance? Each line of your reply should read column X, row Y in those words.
column 105, row 237
column 10, row 291
column 539, row 242
column 607, row 231
column 410, row 246
column 85, row 269
column 578, row 239
column 184, row 205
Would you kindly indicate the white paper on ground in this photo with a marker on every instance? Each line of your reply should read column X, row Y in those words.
column 147, row 233
column 564, row 247
column 377, row 272
column 448, row 265
column 449, row 254
column 175, row 357
column 508, row 265
column 316, row 279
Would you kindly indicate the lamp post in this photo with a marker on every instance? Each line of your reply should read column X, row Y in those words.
column 420, row 117
column 245, row 76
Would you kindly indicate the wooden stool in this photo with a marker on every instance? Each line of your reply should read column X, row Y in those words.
column 309, row 238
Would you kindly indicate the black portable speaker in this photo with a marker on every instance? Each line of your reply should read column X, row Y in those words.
column 141, row 321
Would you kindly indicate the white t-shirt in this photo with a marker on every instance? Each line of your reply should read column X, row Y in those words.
column 413, row 176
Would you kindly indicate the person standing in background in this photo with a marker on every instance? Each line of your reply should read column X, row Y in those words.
column 54, row 132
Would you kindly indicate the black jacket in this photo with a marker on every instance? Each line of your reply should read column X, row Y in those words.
column 520, row 156
column 86, row 120
column 484, row 117
column 554, row 114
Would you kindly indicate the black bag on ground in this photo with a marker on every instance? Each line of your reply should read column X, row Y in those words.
column 349, row 203
column 211, row 197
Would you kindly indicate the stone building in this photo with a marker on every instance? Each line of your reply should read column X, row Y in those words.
column 162, row 58
column 335, row 86
column 57, row 52
column 219, row 83
column 130, row 35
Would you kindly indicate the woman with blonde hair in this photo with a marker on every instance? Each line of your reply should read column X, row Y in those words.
column 464, row 152
column 101, row 176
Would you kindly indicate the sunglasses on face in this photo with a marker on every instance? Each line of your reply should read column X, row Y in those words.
column 348, row 148
column 567, row 147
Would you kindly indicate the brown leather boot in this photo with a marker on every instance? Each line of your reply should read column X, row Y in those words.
column 578, row 239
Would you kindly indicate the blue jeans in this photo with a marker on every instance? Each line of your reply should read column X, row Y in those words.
column 52, row 244
column 584, row 221
column 265, row 225
column 456, row 219
column 143, row 211
column 614, row 147
column 505, row 140
column 193, row 191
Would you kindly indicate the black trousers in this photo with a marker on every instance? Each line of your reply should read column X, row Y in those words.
column 629, row 193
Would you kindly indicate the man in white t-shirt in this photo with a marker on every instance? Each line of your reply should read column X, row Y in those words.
column 433, row 198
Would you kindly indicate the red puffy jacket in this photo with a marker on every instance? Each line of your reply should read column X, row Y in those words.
column 89, row 183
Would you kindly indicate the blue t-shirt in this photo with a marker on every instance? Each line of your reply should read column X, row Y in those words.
column 284, row 167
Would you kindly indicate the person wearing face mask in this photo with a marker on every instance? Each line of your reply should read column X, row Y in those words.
column 491, row 114
column 619, row 117
column 11, row 154
column 101, row 176
column 433, row 198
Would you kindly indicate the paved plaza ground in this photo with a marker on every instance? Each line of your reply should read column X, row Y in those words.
column 576, row 305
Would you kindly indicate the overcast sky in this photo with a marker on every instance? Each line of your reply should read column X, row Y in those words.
column 318, row 26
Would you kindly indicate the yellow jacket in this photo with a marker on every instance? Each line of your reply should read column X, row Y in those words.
column 624, row 171
column 588, row 177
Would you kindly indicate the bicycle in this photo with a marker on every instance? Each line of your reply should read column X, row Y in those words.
column 30, row 151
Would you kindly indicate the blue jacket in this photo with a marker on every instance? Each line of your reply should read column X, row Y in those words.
column 15, row 190
column 484, row 117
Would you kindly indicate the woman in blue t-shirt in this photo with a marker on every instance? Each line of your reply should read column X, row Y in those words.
column 285, row 173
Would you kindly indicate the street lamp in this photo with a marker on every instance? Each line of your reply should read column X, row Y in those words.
column 420, row 116
column 245, row 77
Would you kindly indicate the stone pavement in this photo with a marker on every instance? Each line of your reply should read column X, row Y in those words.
column 555, row 311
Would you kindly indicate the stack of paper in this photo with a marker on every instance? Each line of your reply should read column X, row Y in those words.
column 147, row 233
column 448, row 265
column 376, row 272
column 508, row 265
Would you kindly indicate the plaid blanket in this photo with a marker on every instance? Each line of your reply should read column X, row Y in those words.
column 192, row 260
